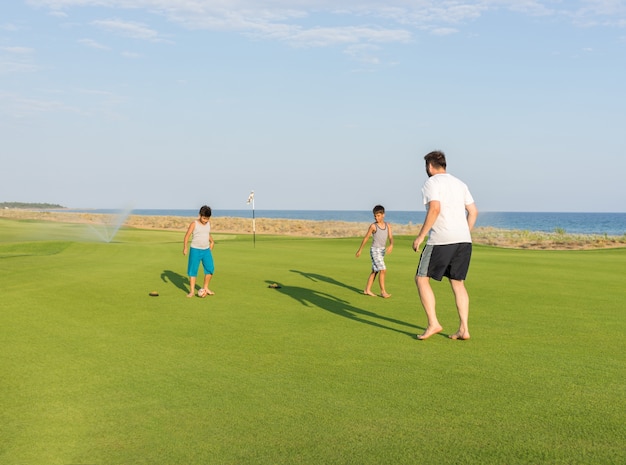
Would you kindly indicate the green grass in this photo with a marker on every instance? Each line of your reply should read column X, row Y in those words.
column 94, row 371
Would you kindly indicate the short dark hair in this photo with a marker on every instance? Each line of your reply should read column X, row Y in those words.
column 205, row 211
column 436, row 158
column 378, row 209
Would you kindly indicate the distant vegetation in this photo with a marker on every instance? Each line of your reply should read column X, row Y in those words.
column 40, row 206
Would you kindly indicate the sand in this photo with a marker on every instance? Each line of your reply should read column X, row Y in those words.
column 328, row 229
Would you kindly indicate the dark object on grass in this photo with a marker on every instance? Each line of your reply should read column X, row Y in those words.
column 154, row 294
column 274, row 286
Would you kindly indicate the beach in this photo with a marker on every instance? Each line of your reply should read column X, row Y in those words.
column 324, row 229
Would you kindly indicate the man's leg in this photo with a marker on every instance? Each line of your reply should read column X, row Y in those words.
column 461, row 298
column 427, row 297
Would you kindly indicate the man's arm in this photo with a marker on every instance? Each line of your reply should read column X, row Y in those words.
column 472, row 214
column 434, row 208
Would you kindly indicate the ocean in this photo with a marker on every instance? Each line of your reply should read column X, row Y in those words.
column 612, row 224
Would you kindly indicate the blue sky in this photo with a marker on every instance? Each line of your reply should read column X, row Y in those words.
column 313, row 104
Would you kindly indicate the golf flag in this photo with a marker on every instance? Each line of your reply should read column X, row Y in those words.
column 251, row 201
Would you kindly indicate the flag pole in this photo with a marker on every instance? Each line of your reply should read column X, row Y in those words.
column 253, row 224
column 251, row 200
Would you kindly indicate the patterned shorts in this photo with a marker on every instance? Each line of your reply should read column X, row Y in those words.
column 378, row 258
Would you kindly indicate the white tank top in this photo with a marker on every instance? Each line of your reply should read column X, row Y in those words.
column 200, row 235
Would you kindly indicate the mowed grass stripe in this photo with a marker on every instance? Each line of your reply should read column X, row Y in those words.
column 95, row 371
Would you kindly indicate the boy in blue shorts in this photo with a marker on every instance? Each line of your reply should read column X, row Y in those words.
column 200, row 252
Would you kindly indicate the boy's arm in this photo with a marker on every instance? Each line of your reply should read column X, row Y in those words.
column 367, row 236
column 187, row 235
column 390, row 237
column 211, row 243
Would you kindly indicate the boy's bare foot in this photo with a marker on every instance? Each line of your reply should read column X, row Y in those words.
column 370, row 293
column 429, row 332
column 461, row 336
column 190, row 294
column 384, row 295
column 208, row 292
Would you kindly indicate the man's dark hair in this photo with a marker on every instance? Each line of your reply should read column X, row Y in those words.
column 378, row 209
column 205, row 211
column 436, row 158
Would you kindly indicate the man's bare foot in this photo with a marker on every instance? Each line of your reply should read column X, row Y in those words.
column 370, row 293
column 460, row 336
column 384, row 295
column 190, row 294
column 429, row 332
column 208, row 292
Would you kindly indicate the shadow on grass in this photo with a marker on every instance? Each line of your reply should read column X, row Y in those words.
column 313, row 298
column 318, row 277
column 181, row 282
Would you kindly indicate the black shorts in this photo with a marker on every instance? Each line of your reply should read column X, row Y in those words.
column 450, row 260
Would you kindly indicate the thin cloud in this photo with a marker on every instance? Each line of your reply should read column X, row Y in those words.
column 17, row 60
column 364, row 53
column 443, row 31
column 19, row 107
column 325, row 36
column 18, row 50
column 10, row 66
column 58, row 14
column 9, row 27
column 129, row 29
column 323, row 23
column 130, row 55
column 93, row 44
column 91, row 103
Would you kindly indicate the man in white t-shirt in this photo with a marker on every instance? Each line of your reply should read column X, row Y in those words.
column 450, row 216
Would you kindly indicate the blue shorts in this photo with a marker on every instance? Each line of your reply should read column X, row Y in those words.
column 197, row 256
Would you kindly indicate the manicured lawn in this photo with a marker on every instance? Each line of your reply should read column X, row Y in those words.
column 94, row 371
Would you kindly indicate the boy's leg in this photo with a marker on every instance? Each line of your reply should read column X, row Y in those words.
column 381, row 281
column 207, row 280
column 192, row 270
column 370, row 281
column 427, row 297
column 209, row 268
column 192, row 286
column 462, row 305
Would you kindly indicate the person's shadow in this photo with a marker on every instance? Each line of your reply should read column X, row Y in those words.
column 318, row 277
column 181, row 282
column 313, row 298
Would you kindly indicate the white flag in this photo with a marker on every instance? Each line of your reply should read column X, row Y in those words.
column 250, row 197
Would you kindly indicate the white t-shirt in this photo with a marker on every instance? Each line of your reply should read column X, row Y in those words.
column 451, row 225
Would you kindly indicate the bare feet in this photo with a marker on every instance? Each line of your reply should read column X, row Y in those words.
column 205, row 292
column 430, row 331
column 370, row 293
column 460, row 336
column 384, row 295
column 190, row 294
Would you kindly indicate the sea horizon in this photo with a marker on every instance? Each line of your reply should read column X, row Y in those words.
column 598, row 223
